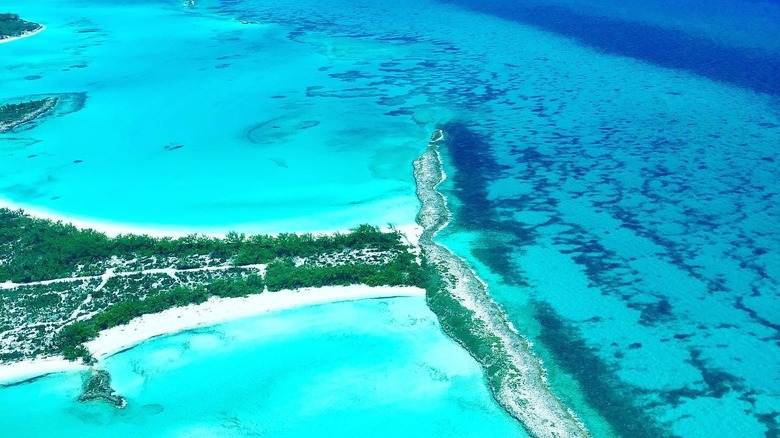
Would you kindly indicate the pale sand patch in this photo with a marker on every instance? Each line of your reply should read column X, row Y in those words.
column 29, row 34
column 110, row 229
column 212, row 312
column 218, row 310
column 19, row 371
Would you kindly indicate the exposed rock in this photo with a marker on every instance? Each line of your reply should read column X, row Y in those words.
column 98, row 387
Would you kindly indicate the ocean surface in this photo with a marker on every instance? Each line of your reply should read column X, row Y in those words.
column 379, row 368
column 614, row 168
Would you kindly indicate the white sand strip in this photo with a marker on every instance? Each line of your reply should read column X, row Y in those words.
column 212, row 312
column 25, row 35
column 18, row 371
column 218, row 310
column 411, row 231
column 110, row 229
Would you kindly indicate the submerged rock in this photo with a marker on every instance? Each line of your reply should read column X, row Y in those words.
column 98, row 387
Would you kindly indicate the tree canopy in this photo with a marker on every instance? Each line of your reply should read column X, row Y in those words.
column 11, row 25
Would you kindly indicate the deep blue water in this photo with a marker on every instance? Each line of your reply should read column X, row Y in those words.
column 662, row 46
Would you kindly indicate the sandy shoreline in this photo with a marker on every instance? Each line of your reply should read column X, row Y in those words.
column 24, row 35
column 215, row 311
column 30, row 369
column 212, row 312
column 411, row 231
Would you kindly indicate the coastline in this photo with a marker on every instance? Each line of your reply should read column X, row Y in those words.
column 515, row 375
column 212, row 312
column 51, row 102
column 467, row 314
column 18, row 372
column 411, row 231
column 24, row 35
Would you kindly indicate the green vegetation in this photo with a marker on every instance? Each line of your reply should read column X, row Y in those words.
column 460, row 324
column 39, row 249
column 401, row 271
column 15, row 114
column 72, row 337
column 102, row 282
column 11, row 26
column 15, row 111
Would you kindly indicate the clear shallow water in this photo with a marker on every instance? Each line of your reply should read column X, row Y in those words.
column 197, row 121
column 366, row 368
column 625, row 216
column 614, row 169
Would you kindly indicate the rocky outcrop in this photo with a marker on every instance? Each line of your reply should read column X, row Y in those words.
column 98, row 387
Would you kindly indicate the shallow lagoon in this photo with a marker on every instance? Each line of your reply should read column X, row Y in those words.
column 363, row 368
column 198, row 122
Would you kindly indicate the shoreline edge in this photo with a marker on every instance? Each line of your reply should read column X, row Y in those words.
column 468, row 315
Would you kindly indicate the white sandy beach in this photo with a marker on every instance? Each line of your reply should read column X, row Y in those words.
column 110, row 229
column 213, row 311
column 28, row 369
column 411, row 231
column 218, row 310
column 29, row 34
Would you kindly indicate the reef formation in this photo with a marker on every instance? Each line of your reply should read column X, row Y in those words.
column 468, row 315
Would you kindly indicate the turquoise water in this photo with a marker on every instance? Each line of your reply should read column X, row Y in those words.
column 614, row 166
column 366, row 368
column 624, row 211
column 197, row 121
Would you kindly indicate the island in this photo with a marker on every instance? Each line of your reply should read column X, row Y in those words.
column 76, row 296
column 12, row 27
column 98, row 387
column 61, row 286
column 16, row 114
